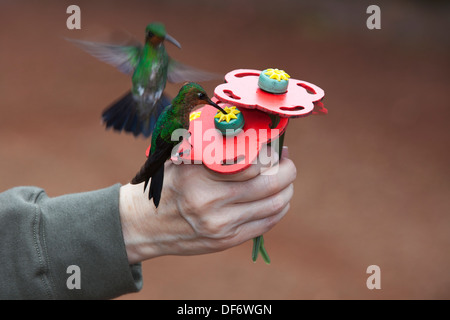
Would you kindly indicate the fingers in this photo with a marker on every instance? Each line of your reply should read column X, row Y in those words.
column 267, row 158
column 258, row 227
column 266, row 207
column 264, row 185
column 248, row 186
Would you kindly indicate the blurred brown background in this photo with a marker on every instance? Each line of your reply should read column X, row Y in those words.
column 373, row 175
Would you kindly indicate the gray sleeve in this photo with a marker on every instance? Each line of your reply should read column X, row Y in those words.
column 41, row 237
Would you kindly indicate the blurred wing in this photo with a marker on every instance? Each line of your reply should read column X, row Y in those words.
column 179, row 72
column 124, row 58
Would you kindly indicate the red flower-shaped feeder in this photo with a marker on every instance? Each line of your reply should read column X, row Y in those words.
column 266, row 100
column 241, row 89
column 266, row 118
column 227, row 154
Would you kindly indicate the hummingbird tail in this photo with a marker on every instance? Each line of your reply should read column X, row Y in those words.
column 156, row 186
column 124, row 115
column 154, row 168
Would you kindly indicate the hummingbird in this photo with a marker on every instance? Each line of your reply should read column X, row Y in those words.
column 175, row 116
column 150, row 68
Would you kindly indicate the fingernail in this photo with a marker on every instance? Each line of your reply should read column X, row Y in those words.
column 285, row 152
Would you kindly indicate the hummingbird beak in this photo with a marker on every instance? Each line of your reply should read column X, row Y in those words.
column 172, row 40
column 216, row 106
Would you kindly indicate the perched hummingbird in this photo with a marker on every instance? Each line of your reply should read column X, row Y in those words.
column 175, row 116
column 150, row 67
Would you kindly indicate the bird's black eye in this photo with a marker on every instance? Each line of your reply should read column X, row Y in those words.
column 150, row 34
column 201, row 95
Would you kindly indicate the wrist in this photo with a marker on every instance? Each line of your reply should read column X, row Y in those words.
column 135, row 210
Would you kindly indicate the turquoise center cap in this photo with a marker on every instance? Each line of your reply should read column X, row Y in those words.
column 229, row 124
column 273, row 80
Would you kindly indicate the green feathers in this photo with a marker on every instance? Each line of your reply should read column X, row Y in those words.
column 150, row 68
column 157, row 29
column 174, row 116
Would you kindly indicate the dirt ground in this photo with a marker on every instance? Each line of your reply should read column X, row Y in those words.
column 373, row 179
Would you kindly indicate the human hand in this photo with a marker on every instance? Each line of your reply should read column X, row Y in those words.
column 202, row 211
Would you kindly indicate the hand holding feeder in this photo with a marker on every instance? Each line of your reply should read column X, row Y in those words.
column 258, row 105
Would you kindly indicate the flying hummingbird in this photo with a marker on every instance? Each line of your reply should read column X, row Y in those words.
column 175, row 116
column 150, row 68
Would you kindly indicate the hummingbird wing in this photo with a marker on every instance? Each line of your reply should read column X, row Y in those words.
column 179, row 72
column 124, row 58
column 124, row 115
